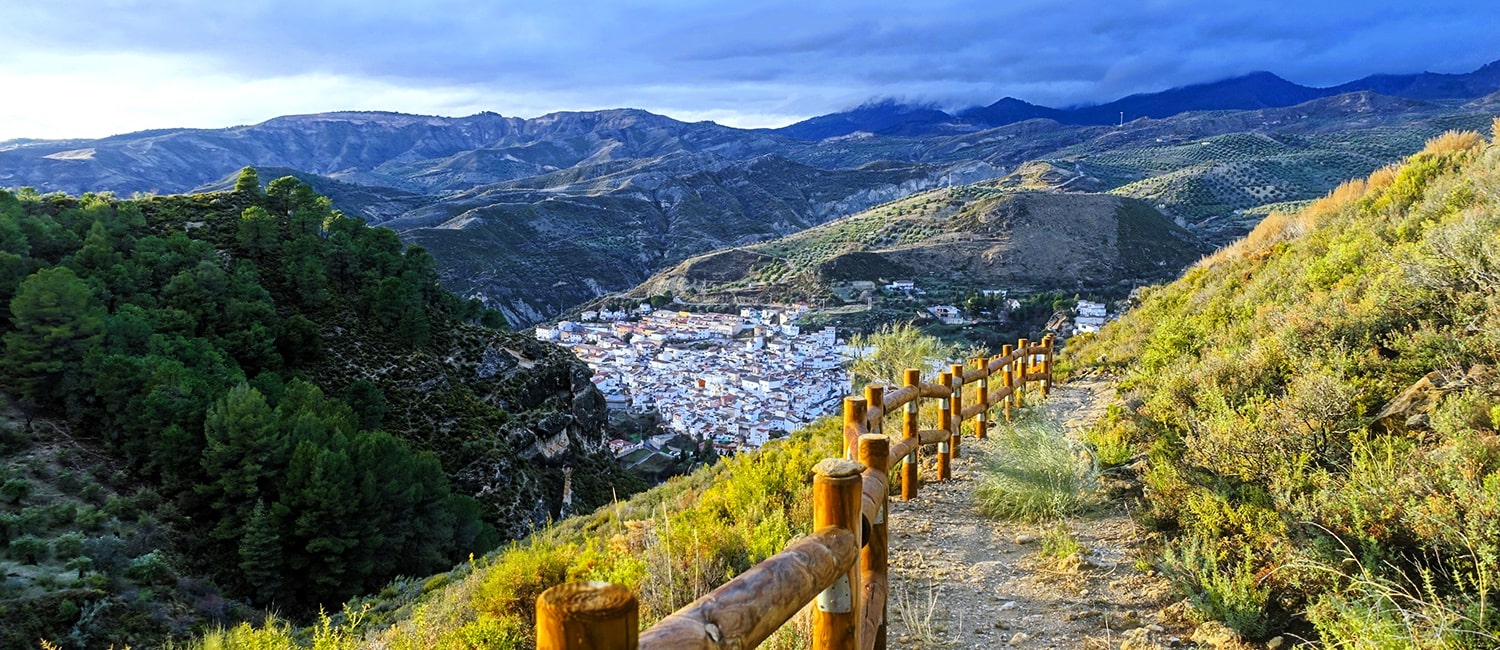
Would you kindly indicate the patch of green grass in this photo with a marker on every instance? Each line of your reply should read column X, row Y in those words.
column 1032, row 473
column 1059, row 543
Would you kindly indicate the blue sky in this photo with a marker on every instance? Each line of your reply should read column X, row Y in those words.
column 90, row 68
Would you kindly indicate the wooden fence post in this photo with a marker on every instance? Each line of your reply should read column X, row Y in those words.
column 875, row 399
column 837, row 486
column 854, row 420
column 945, row 422
column 587, row 616
column 1047, row 341
column 909, row 430
column 957, row 406
column 875, row 453
column 1025, row 360
column 1010, row 378
column 982, row 421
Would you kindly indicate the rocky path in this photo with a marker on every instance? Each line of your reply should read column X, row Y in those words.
column 961, row 580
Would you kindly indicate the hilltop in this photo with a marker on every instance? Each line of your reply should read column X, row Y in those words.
column 1015, row 233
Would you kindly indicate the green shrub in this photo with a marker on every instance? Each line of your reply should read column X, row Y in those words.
column 1111, row 438
column 1031, row 473
column 150, row 569
column 67, row 610
column 92, row 492
column 1223, row 588
column 28, row 550
column 67, row 546
column 80, row 564
column 68, row 482
column 1368, row 611
column 14, row 490
column 90, row 518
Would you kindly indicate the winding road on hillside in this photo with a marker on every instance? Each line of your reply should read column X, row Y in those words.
column 962, row 580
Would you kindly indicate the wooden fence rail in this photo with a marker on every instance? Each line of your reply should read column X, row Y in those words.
column 842, row 565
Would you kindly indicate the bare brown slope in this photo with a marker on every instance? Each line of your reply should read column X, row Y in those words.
column 975, row 236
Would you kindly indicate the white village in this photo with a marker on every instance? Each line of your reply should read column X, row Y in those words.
column 734, row 381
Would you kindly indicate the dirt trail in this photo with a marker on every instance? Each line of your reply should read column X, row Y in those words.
column 961, row 580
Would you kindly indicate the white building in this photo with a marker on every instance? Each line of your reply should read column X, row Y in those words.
column 947, row 313
column 1091, row 309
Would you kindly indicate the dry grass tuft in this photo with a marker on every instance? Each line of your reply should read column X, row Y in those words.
column 1453, row 142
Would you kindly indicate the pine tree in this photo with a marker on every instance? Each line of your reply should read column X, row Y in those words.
column 240, row 456
column 56, row 319
column 248, row 182
column 258, row 232
column 260, row 554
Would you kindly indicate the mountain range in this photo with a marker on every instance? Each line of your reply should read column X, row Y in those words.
column 535, row 216
column 1255, row 90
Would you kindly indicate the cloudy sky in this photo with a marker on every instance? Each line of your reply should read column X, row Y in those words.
column 90, row 68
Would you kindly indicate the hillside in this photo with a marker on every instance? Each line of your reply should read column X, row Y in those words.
column 1313, row 412
column 247, row 397
column 1017, row 233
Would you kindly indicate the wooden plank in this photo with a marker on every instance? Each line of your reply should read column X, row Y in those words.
column 936, row 391
column 933, row 436
column 898, row 398
column 746, row 610
column 972, row 410
column 1000, row 394
column 1006, row 356
column 900, row 450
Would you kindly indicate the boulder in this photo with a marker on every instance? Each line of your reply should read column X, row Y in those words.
column 1409, row 409
column 1218, row 636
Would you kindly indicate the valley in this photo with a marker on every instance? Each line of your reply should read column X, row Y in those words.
column 226, row 398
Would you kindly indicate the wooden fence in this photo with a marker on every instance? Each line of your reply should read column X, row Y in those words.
column 842, row 564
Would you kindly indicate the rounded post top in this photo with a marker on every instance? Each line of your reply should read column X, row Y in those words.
column 838, row 468
column 913, row 377
column 591, row 600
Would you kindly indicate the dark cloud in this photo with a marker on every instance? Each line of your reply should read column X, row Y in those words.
column 777, row 56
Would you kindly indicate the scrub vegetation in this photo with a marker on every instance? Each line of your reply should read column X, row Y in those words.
column 1315, row 412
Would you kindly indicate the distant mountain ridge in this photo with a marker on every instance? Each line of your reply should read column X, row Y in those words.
column 1252, row 91
column 536, row 216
